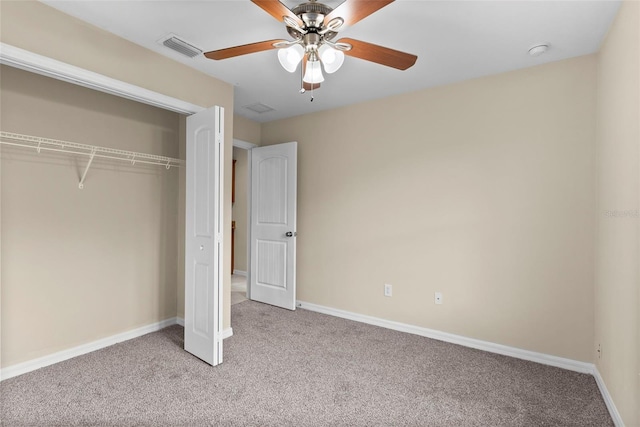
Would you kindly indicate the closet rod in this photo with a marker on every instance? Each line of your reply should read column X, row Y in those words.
column 48, row 144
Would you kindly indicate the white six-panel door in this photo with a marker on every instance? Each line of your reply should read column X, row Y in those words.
column 203, row 238
column 273, row 224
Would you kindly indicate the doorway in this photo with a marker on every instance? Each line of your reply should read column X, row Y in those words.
column 240, row 221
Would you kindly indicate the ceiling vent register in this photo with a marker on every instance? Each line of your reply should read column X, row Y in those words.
column 182, row 47
column 259, row 108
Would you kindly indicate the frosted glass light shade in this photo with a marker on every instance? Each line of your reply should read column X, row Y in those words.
column 314, row 73
column 290, row 57
column 332, row 59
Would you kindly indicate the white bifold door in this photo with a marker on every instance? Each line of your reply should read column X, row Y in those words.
column 203, row 238
column 273, row 225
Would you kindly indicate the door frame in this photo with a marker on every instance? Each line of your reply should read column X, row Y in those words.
column 238, row 143
column 43, row 65
column 248, row 146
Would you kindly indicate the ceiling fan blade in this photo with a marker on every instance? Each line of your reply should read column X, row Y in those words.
column 381, row 55
column 353, row 11
column 277, row 10
column 245, row 49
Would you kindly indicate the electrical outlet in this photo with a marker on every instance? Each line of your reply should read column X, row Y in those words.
column 388, row 290
column 599, row 351
column 438, row 298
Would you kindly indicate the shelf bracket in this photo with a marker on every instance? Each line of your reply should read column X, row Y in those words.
column 73, row 148
column 84, row 175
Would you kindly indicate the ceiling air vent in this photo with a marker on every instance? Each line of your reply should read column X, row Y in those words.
column 181, row 46
column 259, row 108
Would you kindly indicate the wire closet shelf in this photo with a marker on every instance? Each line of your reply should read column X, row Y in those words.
column 92, row 151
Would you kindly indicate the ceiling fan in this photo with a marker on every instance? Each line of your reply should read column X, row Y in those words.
column 313, row 27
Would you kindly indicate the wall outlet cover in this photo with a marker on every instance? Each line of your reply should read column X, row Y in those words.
column 388, row 290
column 438, row 297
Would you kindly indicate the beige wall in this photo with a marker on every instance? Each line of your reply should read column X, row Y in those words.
column 246, row 130
column 38, row 28
column 79, row 265
column 482, row 190
column 617, row 280
column 240, row 209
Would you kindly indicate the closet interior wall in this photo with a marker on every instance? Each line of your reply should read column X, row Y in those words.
column 80, row 265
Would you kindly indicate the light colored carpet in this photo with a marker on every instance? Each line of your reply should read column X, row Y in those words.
column 300, row 368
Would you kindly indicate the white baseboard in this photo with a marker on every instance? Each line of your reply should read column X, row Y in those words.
column 546, row 359
column 226, row 333
column 240, row 273
column 41, row 362
column 613, row 411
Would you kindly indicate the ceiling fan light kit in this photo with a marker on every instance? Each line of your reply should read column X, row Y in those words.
column 313, row 26
column 313, row 73
column 290, row 57
column 331, row 58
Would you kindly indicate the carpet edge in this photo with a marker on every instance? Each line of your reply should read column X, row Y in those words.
column 545, row 359
column 532, row 356
column 60, row 356
column 608, row 399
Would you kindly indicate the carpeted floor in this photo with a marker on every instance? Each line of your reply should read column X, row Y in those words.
column 299, row 369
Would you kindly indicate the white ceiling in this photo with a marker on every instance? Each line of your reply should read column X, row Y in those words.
column 454, row 41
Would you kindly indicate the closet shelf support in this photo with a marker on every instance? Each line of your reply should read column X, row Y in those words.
column 86, row 169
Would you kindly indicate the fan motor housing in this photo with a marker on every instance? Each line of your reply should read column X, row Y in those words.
column 312, row 15
column 312, row 20
column 312, row 7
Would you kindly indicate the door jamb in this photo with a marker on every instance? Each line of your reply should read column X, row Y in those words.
column 247, row 146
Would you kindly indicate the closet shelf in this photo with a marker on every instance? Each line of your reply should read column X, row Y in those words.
column 93, row 151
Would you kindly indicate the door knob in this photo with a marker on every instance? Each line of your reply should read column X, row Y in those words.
column 201, row 247
column 290, row 234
